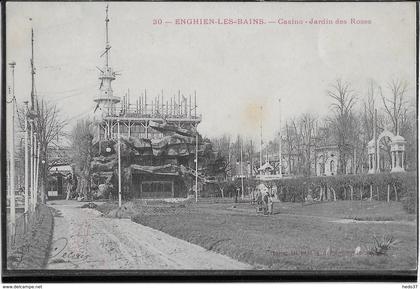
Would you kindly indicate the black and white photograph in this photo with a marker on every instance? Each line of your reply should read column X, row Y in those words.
column 209, row 139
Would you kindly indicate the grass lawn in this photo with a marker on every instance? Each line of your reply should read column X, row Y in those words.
column 366, row 210
column 295, row 237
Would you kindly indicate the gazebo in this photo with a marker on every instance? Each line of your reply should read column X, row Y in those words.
column 266, row 169
column 397, row 152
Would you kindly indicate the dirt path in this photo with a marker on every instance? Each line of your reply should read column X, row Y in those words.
column 83, row 239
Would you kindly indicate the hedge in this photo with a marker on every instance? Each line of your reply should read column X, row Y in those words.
column 395, row 186
column 384, row 186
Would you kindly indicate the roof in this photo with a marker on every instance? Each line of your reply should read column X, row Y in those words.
column 398, row 138
column 266, row 166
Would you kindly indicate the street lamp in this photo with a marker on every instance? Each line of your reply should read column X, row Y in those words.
column 26, row 159
column 33, row 176
column 12, row 155
column 196, row 165
column 42, row 187
column 38, row 147
column 119, row 164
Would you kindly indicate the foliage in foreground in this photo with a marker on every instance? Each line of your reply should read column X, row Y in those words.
column 381, row 246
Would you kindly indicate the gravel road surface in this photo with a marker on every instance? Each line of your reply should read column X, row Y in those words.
column 83, row 239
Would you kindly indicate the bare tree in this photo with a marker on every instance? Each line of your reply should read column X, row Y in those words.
column 366, row 123
column 322, row 138
column 49, row 127
column 307, row 125
column 299, row 145
column 290, row 145
column 223, row 147
column 408, row 128
column 368, row 116
column 395, row 103
column 344, row 99
column 249, row 154
column 299, row 142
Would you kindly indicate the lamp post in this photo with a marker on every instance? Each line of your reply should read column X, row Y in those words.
column 38, row 147
column 42, row 187
column 26, row 160
column 33, row 176
column 12, row 155
column 196, row 165
column 31, row 155
column 119, row 164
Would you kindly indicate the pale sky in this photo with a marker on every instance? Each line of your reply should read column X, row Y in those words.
column 235, row 69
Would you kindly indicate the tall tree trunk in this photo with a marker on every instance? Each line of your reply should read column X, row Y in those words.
column 396, row 194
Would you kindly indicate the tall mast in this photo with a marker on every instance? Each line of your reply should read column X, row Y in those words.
column 32, row 70
column 107, row 47
column 106, row 98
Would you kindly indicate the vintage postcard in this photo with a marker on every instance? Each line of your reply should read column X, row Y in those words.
column 210, row 139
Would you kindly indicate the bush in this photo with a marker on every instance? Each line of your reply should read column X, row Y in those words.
column 409, row 196
column 381, row 246
column 402, row 187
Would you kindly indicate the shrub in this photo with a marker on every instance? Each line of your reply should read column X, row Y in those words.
column 403, row 187
column 409, row 194
column 381, row 246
